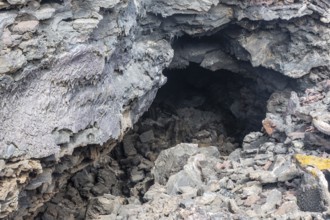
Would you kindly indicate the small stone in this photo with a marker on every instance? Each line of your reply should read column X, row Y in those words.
column 128, row 145
column 213, row 186
column 274, row 198
column 151, row 156
column 230, row 184
column 188, row 191
column 251, row 200
column 186, row 203
column 264, row 156
column 232, row 206
column 137, row 175
column 145, row 165
column 298, row 144
column 44, row 13
column 85, row 24
column 247, row 162
column 207, row 198
column 2, row 164
column 17, row 2
column 287, row 208
column 235, row 155
column 263, row 176
column 26, row 26
column 252, row 190
column 280, row 149
column 203, row 134
column 147, row 136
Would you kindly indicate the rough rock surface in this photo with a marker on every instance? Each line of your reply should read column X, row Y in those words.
column 146, row 178
column 76, row 75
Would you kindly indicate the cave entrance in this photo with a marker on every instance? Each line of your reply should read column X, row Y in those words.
column 196, row 105
column 200, row 106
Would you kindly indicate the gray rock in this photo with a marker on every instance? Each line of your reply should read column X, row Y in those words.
column 147, row 136
column 128, row 144
column 12, row 61
column 274, row 197
column 190, row 176
column 17, row 2
column 172, row 160
column 137, row 175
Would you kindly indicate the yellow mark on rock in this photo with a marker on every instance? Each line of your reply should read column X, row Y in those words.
column 317, row 162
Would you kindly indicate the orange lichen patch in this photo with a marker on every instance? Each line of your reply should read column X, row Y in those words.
column 314, row 161
column 268, row 126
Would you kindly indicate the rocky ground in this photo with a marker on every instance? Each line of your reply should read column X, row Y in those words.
column 152, row 175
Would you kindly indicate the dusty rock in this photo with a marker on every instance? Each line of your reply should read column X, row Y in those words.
column 26, row 26
column 12, row 61
column 76, row 75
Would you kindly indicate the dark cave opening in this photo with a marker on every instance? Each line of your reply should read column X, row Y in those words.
column 196, row 105
column 237, row 99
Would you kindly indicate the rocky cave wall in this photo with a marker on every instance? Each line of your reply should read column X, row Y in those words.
column 76, row 75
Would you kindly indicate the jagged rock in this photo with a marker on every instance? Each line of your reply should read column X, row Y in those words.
column 172, row 161
column 76, row 75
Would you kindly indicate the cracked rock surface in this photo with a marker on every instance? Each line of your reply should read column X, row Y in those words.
column 75, row 76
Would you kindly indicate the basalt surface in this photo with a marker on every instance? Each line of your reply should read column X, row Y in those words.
column 75, row 76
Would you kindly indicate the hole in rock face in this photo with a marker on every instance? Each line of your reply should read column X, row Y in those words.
column 198, row 106
column 230, row 104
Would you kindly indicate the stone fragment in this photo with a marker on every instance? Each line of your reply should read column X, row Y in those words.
column 147, row 136
column 12, row 61
column 274, row 198
column 17, row 2
column 2, row 164
column 26, row 26
column 280, row 149
column 287, row 208
column 268, row 126
column 263, row 176
column 103, row 205
column 255, row 189
column 207, row 198
column 85, row 25
column 172, row 160
column 190, row 176
column 129, row 148
column 9, row 151
column 44, row 12
column 235, row 155
column 233, row 207
column 251, row 200
column 188, row 191
column 137, row 175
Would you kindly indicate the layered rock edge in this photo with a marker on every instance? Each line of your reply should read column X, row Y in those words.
column 75, row 76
